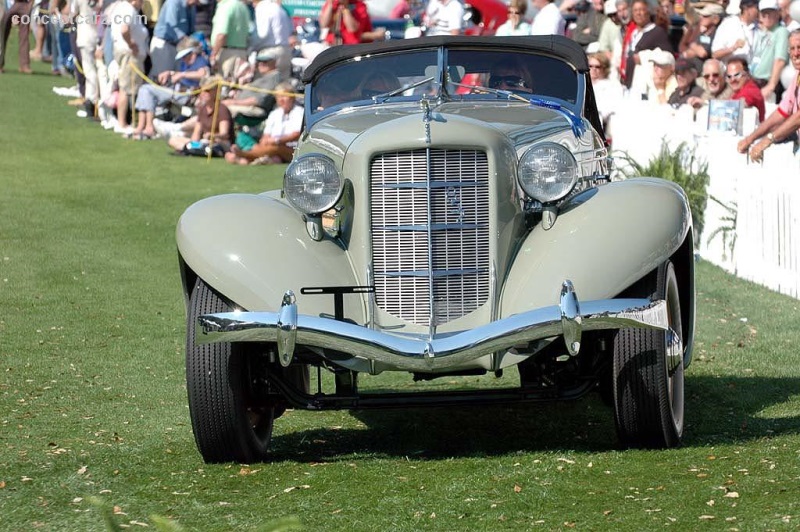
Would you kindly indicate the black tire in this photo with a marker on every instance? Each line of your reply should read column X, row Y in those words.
column 648, row 395
column 228, row 425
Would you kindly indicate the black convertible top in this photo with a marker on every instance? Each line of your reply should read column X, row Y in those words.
column 555, row 45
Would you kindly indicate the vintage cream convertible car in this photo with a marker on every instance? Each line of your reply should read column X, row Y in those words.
column 448, row 212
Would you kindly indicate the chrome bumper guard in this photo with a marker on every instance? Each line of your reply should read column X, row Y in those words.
column 569, row 319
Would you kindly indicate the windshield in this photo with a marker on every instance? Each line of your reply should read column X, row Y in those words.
column 382, row 77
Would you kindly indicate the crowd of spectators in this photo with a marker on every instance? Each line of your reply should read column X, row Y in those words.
column 152, row 69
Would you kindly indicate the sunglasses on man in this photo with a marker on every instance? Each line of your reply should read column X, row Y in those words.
column 495, row 82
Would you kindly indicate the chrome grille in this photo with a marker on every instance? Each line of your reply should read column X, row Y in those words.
column 430, row 233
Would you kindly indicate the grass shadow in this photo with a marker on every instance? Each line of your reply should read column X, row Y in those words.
column 720, row 410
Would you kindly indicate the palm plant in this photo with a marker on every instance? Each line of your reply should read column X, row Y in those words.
column 728, row 229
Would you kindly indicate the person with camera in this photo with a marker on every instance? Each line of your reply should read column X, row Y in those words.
column 345, row 20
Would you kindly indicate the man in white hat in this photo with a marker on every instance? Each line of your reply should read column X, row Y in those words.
column 662, row 81
column 770, row 49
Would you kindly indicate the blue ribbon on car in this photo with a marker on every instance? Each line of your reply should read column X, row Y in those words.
column 575, row 122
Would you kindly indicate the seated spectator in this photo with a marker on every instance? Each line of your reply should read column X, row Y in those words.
column 784, row 122
column 193, row 67
column 175, row 22
column 770, row 50
column 516, row 24
column 686, row 76
column 273, row 32
column 281, row 131
column 345, row 20
column 208, row 132
column 744, row 88
column 715, row 86
column 607, row 92
column 256, row 99
column 660, row 82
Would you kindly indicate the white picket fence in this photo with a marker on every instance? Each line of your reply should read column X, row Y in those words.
column 760, row 202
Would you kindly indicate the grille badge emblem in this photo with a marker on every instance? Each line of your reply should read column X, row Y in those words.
column 454, row 206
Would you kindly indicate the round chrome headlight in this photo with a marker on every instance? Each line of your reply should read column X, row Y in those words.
column 312, row 184
column 547, row 172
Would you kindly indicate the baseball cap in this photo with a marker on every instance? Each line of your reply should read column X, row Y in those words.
column 267, row 55
column 764, row 5
column 610, row 7
column 683, row 64
column 711, row 9
column 187, row 46
column 662, row 57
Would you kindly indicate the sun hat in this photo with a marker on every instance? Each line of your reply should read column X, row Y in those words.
column 187, row 46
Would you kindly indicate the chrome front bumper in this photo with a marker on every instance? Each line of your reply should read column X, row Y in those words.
column 568, row 319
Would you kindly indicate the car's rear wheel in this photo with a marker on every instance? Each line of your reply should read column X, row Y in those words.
column 229, row 424
column 648, row 376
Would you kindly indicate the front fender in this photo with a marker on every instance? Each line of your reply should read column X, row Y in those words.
column 252, row 248
column 604, row 240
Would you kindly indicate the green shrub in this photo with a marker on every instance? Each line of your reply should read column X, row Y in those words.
column 680, row 166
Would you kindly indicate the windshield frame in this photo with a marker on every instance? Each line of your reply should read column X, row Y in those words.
column 314, row 114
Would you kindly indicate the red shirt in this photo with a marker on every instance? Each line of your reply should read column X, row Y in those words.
column 752, row 97
column 359, row 10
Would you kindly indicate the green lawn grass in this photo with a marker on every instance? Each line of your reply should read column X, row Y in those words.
column 93, row 400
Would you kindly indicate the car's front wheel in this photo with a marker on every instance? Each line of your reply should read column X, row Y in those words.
column 229, row 424
column 648, row 369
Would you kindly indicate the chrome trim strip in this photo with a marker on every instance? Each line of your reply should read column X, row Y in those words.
column 371, row 296
column 429, row 218
column 435, row 184
column 430, row 227
column 435, row 274
column 412, row 354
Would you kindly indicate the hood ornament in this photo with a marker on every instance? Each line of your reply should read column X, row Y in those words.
column 426, row 118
